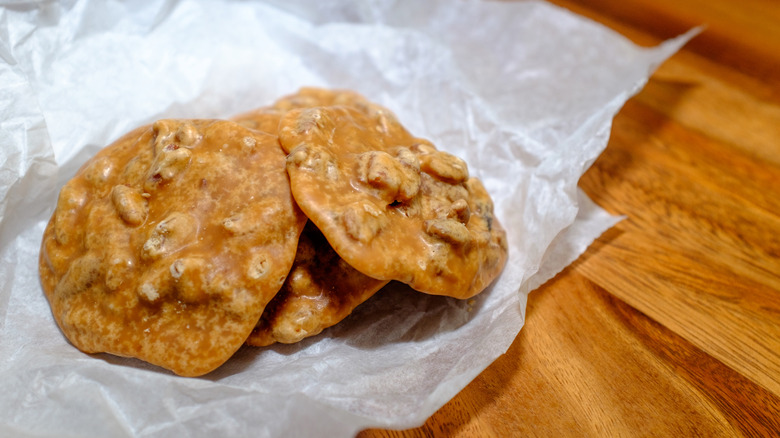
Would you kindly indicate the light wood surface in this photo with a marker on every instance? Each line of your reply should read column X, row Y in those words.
column 669, row 324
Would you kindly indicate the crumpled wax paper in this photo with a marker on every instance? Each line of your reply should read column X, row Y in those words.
column 524, row 91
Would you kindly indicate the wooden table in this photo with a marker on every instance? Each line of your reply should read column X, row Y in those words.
column 669, row 325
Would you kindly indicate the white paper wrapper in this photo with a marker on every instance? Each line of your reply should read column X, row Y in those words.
column 524, row 91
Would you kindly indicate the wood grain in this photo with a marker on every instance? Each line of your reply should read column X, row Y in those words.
column 587, row 364
column 669, row 324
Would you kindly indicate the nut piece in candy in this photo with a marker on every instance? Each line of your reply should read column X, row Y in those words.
column 170, row 235
column 130, row 204
column 449, row 230
column 136, row 262
column 170, row 161
column 69, row 211
column 394, row 178
column 363, row 221
column 444, row 166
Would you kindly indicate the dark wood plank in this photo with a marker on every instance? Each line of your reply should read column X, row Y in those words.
column 696, row 255
column 743, row 36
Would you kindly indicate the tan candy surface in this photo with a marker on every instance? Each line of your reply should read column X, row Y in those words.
column 267, row 118
column 390, row 204
column 321, row 290
column 167, row 246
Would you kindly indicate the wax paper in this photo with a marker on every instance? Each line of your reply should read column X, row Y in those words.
column 524, row 91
